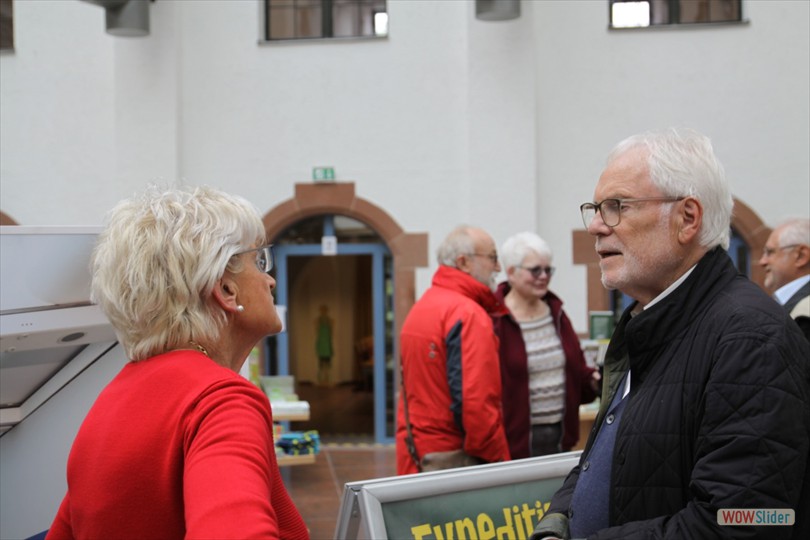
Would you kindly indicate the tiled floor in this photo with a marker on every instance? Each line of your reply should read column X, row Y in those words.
column 317, row 489
column 343, row 415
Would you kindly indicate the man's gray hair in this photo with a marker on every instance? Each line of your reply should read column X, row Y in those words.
column 794, row 231
column 682, row 163
column 458, row 242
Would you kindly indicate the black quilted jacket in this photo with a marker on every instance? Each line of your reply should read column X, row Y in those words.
column 718, row 417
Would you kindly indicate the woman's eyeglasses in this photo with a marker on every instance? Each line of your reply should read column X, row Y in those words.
column 537, row 271
column 264, row 257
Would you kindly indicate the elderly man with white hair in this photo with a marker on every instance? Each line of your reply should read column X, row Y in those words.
column 706, row 386
column 786, row 260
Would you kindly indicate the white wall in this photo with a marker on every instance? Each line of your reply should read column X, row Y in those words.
column 33, row 454
column 450, row 119
column 56, row 114
column 746, row 86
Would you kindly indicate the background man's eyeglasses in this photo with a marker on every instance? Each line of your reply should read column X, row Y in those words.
column 491, row 257
column 611, row 209
column 537, row 271
column 768, row 252
column 264, row 257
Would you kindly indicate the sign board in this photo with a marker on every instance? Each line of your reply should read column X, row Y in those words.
column 601, row 324
column 328, row 245
column 323, row 174
column 497, row 500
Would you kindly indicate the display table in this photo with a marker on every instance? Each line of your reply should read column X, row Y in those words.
column 306, row 459
column 294, row 411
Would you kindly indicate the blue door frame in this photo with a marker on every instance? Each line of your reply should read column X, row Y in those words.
column 378, row 253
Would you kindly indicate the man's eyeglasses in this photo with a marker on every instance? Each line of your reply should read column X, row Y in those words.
column 611, row 209
column 537, row 271
column 490, row 256
column 769, row 252
column 264, row 257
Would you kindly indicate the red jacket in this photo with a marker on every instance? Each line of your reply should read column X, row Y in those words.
column 451, row 372
column 515, row 377
column 176, row 446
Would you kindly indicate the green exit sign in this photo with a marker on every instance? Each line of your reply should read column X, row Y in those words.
column 323, row 174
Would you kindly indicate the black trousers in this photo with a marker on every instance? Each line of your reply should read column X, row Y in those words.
column 546, row 439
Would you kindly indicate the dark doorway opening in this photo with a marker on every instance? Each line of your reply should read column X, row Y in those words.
column 339, row 388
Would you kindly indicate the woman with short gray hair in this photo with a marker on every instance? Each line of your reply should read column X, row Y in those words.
column 543, row 371
column 179, row 445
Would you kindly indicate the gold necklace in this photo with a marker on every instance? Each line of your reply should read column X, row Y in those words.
column 198, row 347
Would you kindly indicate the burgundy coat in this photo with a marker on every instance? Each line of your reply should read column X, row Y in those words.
column 515, row 377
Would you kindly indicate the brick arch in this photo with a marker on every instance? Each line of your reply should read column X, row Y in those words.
column 743, row 220
column 409, row 250
column 755, row 233
column 5, row 219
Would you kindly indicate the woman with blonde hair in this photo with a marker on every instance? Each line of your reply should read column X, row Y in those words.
column 179, row 445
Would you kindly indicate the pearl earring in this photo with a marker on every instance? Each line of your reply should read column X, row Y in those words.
column 240, row 308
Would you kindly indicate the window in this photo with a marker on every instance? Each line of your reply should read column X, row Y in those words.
column 6, row 25
column 317, row 19
column 635, row 14
column 310, row 231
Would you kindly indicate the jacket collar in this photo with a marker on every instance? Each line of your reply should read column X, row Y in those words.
column 790, row 294
column 447, row 277
column 638, row 338
column 550, row 298
column 667, row 319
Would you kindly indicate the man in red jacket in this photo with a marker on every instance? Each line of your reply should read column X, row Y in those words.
column 449, row 353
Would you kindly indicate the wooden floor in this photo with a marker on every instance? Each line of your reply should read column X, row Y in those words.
column 316, row 489
column 344, row 418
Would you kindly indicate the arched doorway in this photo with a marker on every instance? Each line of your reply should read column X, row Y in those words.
column 390, row 263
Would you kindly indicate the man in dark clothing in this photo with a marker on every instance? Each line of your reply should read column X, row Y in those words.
column 706, row 389
column 786, row 260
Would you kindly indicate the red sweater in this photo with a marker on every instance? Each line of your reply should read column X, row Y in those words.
column 176, row 446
